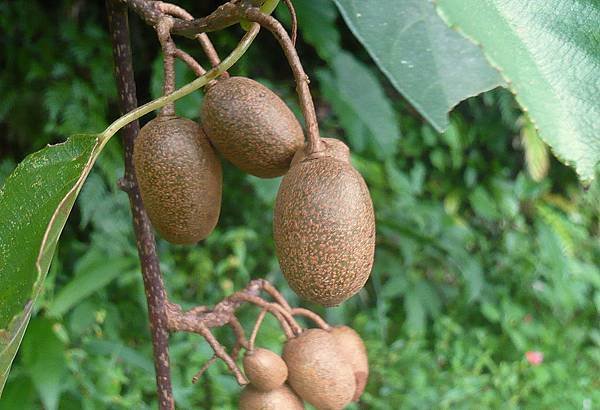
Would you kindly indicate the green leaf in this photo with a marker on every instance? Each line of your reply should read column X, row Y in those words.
column 431, row 65
column 92, row 276
column 549, row 53
column 35, row 202
column 44, row 358
column 357, row 96
column 483, row 204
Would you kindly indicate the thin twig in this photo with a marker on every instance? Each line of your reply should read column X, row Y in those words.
column 190, row 61
column 272, row 307
column 146, row 246
column 294, row 18
column 312, row 316
column 275, row 294
column 240, row 335
column 259, row 320
column 204, row 368
column 313, row 143
column 223, row 355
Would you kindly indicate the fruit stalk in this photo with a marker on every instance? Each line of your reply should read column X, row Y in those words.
column 153, row 284
column 313, row 143
column 163, row 30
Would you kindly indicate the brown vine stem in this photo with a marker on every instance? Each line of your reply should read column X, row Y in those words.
column 313, row 143
column 153, row 284
column 202, row 38
column 224, row 16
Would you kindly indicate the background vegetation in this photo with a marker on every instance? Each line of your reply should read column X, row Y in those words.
column 487, row 247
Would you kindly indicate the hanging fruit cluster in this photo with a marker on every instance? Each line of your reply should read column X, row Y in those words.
column 324, row 225
column 326, row 367
column 319, row 367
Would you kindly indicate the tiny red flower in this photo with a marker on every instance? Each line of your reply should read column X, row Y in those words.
column 535, row 358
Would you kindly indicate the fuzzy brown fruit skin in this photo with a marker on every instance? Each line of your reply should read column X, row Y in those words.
column 265, row 369
column 251, row 126
column 180, row 178
column 317, row 371
column 279, row 399
column 324, row 226
column 351, row 346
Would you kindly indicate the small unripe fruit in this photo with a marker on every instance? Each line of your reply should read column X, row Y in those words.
column 251, row 126
column 282, row 398
column 317, row 371
column 265, row 369
column 324, row 226
column 351, row 346
column 180, row 178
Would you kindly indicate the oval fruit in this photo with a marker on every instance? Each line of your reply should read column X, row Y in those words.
column 251, row 126
column 351, row 346
column 324, row 226
column 265, row 369
column 180, row 178
column 317, row 371
column 279, row 399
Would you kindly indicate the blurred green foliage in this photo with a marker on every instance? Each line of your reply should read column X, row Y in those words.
column 477, row 261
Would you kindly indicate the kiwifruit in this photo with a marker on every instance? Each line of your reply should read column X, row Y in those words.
column 317, row 371
column 282, row 398
column 351, row 346
column 265, row 369
column 251, row 126
column 180, row 178
column 324, row 225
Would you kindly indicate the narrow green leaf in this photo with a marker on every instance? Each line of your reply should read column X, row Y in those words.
column 44, row 358
column 536, row 153
column 127, row 354
column 35, row 202
column 549, row 53
column 431, row 65
column 357, row 95
column 90, row 278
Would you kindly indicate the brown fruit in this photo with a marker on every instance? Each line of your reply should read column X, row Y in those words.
column 324, row 226
column 265, row 369
column 251, row 126
column 317, row 371
column 282, row 398
column 180, row 178
column 353, row 349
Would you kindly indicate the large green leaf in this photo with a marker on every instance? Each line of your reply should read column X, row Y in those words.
column 432, row 66
column 35, row 202
column 316, row 20
column 549, row 52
